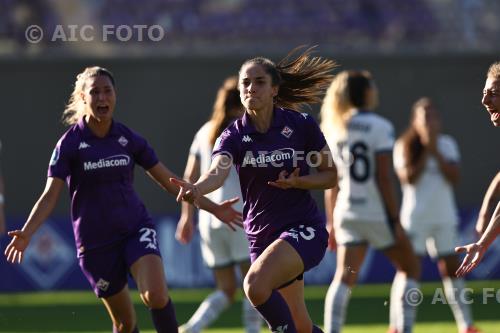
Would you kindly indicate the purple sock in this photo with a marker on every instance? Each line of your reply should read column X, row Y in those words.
column 164, row 319
column 316, row 329
column 277, row 314
column 115, row 330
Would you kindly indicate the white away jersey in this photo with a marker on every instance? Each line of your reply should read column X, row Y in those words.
column 430, row 199
column 367, row 135
column 202, row 149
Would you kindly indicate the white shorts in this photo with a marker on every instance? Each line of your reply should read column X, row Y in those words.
column 436, row 239
column 221, row 247
column 378, row 234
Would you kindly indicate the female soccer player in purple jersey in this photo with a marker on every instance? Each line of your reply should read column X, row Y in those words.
column 224, row 251
column 364, row 211
column 272, row 148
column 488, row 231
column 114, row 233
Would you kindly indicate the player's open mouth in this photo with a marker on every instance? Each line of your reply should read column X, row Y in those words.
column 102, row 109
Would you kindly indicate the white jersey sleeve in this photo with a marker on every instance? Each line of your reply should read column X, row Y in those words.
column 449, row 149
column 384, row 136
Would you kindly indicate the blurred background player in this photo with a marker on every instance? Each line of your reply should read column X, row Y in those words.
column 488, row 224
column 114, row 233
column 364, row 210
column 268, row 146
column 223, row 250
column 427, row 164
column 3, row 223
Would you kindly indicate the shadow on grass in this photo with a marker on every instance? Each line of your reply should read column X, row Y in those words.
column 79, row 318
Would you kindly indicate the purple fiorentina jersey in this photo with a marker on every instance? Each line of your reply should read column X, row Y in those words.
column 99, row 173
column 259, row 158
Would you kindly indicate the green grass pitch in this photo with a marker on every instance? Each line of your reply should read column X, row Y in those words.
column 368, row 310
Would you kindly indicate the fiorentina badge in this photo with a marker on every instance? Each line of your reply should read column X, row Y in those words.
column 287, row 132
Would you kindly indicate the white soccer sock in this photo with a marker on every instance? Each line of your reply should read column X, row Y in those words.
column 251, row 317
column 395, row 303
column 208, row 311
column 336, row 301
column 461, row 311
column 407, row 310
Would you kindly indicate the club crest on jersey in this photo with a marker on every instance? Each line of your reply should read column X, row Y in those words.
column 287, row 132
column 123, row 141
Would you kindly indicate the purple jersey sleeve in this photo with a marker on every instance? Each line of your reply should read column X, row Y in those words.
column 60, row 162
column 143, row 153
column 315, row 140
column 226, row 145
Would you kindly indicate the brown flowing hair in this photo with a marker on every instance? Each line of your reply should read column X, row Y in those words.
column 228, row 98
column 302, row 79
column 410, row 140
column 75, row 108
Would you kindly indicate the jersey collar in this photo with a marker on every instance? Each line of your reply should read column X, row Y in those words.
column 277, row 121
column 87, row 133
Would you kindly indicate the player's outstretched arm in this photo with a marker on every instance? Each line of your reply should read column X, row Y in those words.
column 475, row 251
column 171, row 183
column 491, row 198
column 185, row 226
column 40, row 212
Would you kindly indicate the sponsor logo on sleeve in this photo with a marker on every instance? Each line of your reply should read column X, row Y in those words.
column 55, row 156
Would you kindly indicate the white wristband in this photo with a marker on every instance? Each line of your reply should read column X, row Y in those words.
column 2, row 199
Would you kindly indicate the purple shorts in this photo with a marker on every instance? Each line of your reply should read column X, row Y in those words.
column 107, row 268
column 310, row 242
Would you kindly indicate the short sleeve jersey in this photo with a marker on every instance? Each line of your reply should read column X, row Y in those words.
column 430, row 199
column 367, row 135
column 99, row 173
column 292, row 138
column 202, row 149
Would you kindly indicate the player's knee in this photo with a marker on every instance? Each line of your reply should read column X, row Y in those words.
column 154, row 299
column 256, row 291
column 346, row 276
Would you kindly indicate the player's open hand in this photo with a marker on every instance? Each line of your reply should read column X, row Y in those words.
column 474, row 254
column 15, row 250
column 227, row 214
column 283, row 182
column 188, row 192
